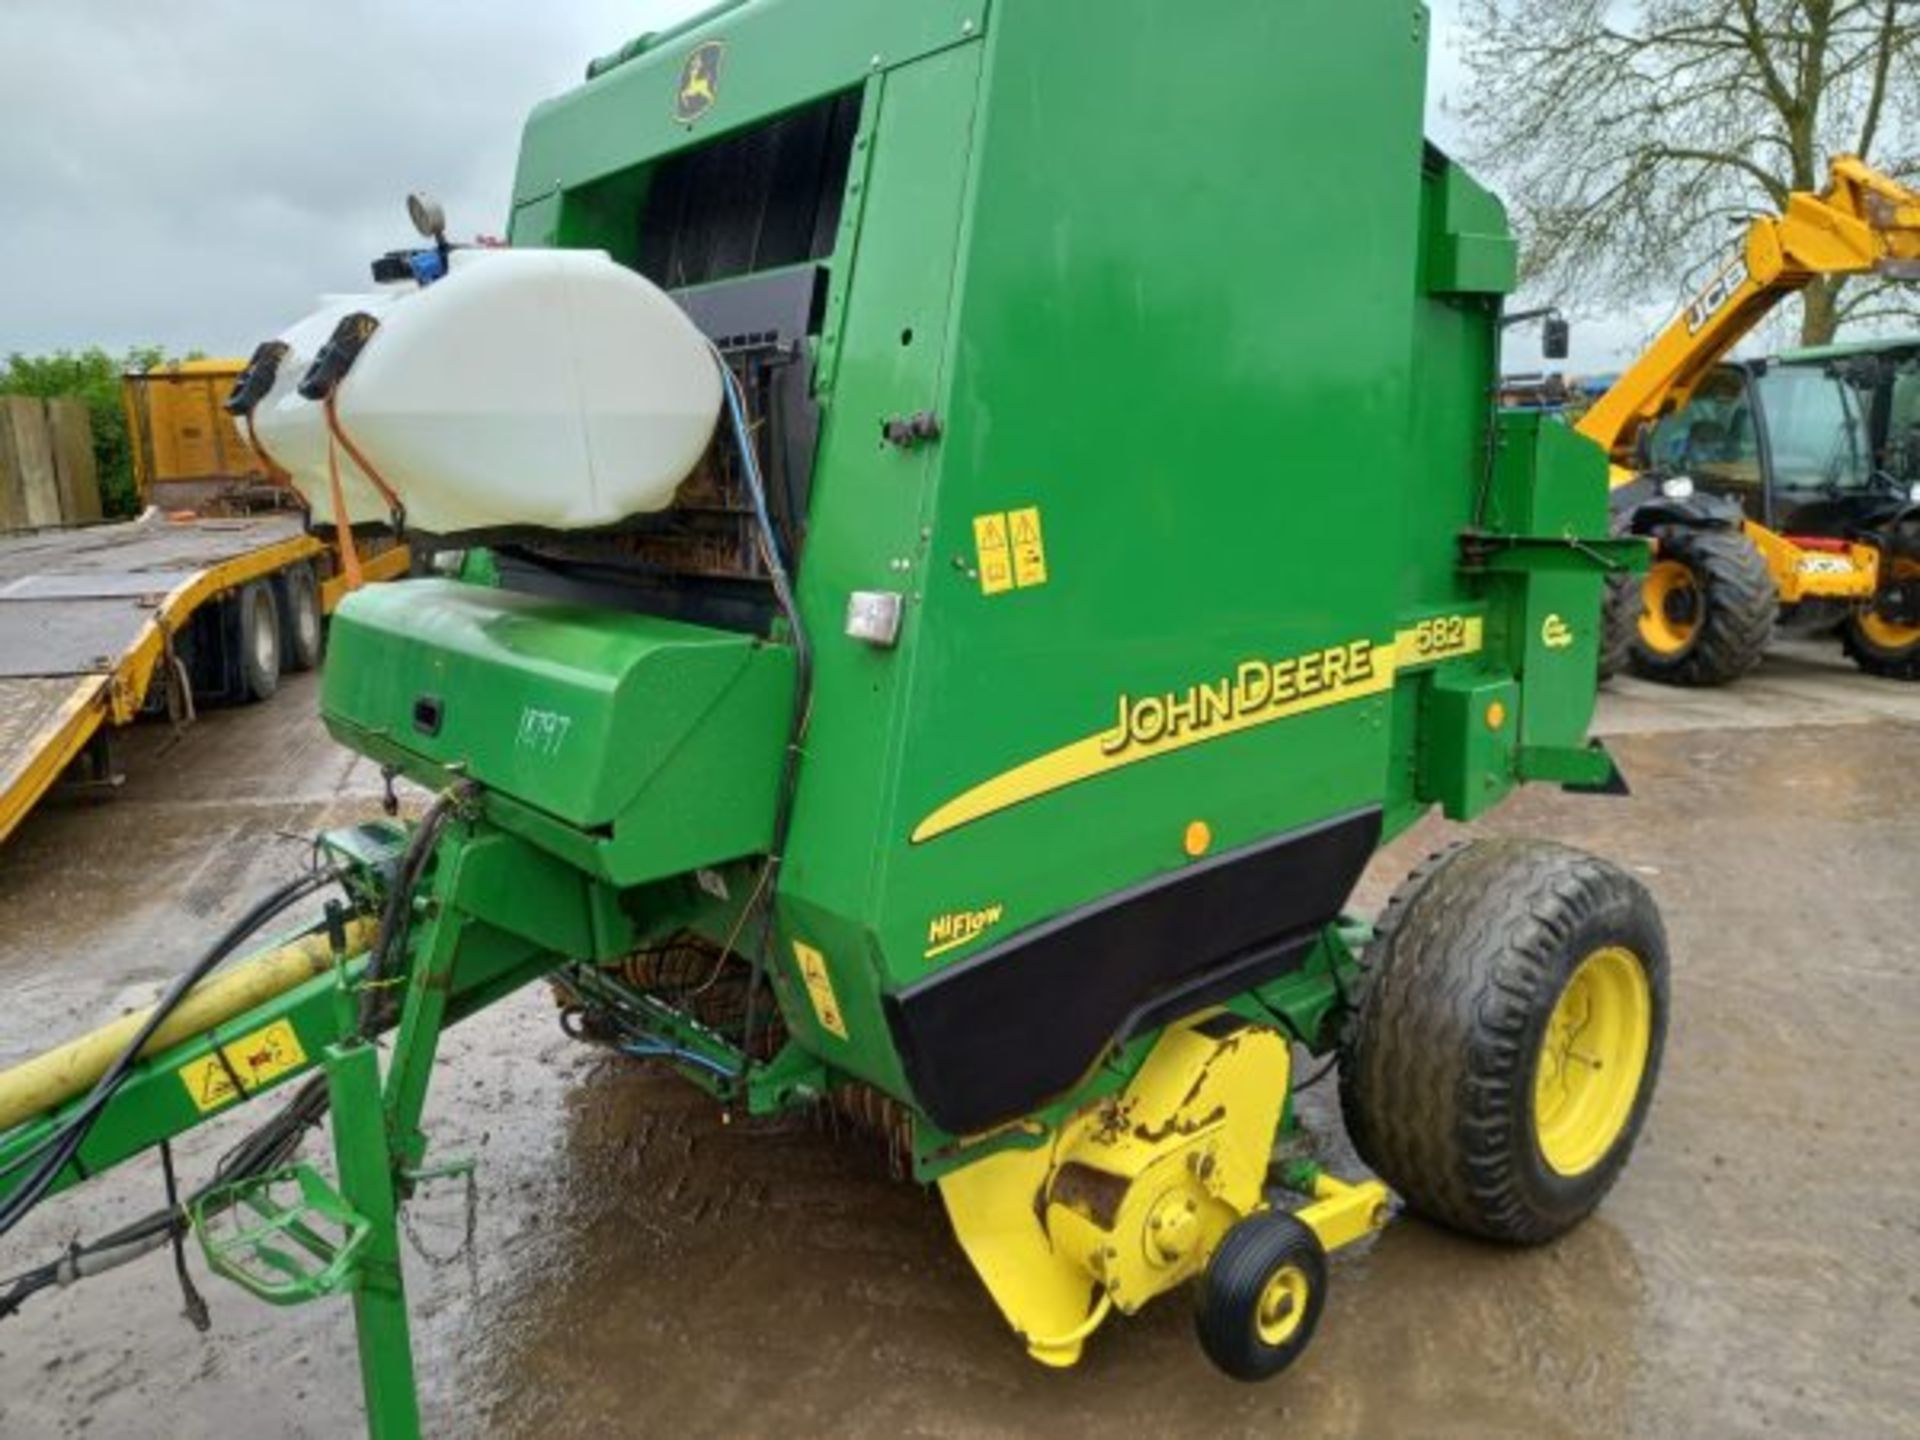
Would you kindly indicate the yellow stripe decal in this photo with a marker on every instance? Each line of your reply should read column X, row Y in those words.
column 954, row 944
column 1257, row 693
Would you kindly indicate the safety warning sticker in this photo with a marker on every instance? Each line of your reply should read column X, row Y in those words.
column 1029, row 549
column 995, row 555
column 826, row 1006
column 249, row 1062
column 1012, row 550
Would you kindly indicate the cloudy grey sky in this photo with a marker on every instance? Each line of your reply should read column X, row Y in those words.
column 191, row 175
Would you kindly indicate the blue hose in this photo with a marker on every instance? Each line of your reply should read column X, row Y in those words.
column 686, row 1057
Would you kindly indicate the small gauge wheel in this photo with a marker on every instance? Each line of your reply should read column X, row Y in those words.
column 1260, row 1299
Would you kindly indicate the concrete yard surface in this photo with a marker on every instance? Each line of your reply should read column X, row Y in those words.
column 639, row 1267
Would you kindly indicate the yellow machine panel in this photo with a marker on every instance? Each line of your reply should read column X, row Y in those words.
column 187, row 451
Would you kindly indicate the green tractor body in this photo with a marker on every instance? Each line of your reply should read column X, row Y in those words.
column 1187, row 549
column 1159, row 552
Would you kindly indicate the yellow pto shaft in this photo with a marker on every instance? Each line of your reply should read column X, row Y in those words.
column 38, row 1085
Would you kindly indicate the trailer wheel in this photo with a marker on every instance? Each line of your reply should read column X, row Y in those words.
column 1708, row 608
column 1881, row 646
column 304, row 630
column 1261, row 1297
column 1507, row 1041
column 259, row 641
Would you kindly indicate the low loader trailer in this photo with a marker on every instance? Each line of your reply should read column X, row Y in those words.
column 102, row 624
column 1023, row 534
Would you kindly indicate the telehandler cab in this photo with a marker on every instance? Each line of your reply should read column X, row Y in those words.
column 1886, row 376
column 1787, row 448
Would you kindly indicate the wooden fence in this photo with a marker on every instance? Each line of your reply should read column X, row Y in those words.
column 47, row 475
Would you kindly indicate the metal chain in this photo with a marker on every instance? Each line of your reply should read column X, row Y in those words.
column 466, row 1250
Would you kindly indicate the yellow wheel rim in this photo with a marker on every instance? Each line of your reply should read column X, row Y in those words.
column 1886, row 634
column 1591, row 1060
column 1664, row 624
column 1283, row 1305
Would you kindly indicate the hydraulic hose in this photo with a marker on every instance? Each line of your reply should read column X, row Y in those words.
column 271, row 1144
column 54, row 1153
column 375, row 1004
column 266, row 1148
column 802, row 695
column 49, row 1080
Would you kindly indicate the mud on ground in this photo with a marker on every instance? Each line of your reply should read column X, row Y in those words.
column 642, row 1268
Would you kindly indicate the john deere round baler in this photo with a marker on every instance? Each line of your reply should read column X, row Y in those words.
column 1107, row 539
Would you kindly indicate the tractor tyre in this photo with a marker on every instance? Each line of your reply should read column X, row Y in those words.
column 1258, row 1304
column 1884, row 647
column 1619, row 620
column 1506, row 1043
column 1708, row 610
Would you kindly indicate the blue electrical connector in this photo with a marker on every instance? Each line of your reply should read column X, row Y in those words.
column 427, row 266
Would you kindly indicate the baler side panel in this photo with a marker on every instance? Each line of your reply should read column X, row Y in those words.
column 1456, row 364
column 1197, row 376
column 1551, row 481
column 905, row 201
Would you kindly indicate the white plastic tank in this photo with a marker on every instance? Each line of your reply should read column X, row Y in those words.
column 546, row 389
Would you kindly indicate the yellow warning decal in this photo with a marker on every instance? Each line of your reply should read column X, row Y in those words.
column 1444, row 637
column 252, row 1061
column 995, row 554
column 1012, row 550
column 1029, row 548
column 826, row 1006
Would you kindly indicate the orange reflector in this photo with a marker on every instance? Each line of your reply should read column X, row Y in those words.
column 1199, row 839
column 1496, row 715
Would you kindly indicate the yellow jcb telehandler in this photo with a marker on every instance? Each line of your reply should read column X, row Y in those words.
column 1756, row 484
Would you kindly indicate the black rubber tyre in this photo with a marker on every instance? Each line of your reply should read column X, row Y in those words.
column 1439, row 1063
column 1258, row 1304
column 1877, row 646
column 303, row 628
column 1889, row 663
column 1619, row 623
column 259, row 641
column 1740, row 603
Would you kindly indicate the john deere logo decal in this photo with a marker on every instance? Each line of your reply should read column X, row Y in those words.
column 699, row 82
column 1256, row 692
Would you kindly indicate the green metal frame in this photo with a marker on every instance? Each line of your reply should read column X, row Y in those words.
column 292, row 1236
column 455, row 963
column 1257, row 416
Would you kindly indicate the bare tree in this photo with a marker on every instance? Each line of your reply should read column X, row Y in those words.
column 1632, row 136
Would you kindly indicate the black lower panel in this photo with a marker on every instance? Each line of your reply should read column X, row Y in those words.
column 991, row 1039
